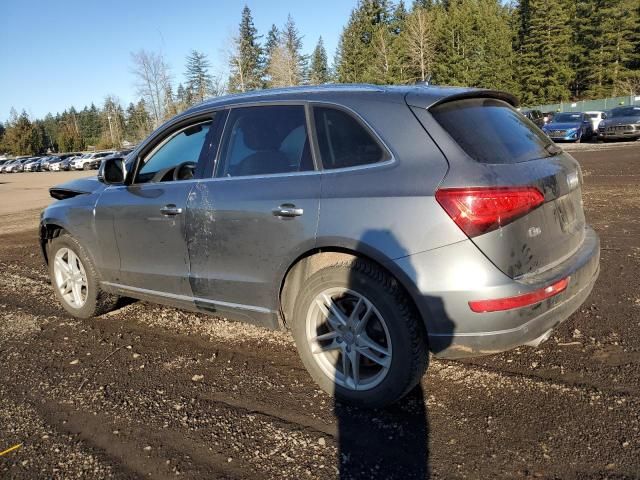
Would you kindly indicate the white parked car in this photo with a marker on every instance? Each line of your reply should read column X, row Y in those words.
column 88, row 161
column 596, row 117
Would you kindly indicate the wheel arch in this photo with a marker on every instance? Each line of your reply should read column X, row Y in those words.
column 49, row 231
column 317, row 258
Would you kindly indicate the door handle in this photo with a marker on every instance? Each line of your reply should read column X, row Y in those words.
column 170, row 210
column 287, row 210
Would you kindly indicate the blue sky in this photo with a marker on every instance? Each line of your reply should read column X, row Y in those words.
column 54, row 54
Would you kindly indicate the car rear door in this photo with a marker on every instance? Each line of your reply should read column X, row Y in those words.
column 257, row 213
column 146, row 219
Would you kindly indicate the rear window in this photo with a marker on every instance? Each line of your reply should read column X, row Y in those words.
column 491, row 131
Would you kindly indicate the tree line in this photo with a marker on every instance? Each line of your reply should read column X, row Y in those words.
column 544, row 51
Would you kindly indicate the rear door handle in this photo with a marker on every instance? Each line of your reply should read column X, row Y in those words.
column 287, row 210
column 170, row 210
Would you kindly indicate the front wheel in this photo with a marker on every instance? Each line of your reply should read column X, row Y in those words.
column 358, row 334
column 75, row 279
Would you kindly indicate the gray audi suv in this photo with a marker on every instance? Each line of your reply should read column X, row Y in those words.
column 377, row 224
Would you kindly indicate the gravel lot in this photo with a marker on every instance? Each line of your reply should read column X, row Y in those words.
column 148, row 391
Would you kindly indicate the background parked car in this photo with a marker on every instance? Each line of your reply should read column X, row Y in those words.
column 5, row 166
column 55, row 164
column 33, row 164
column 536, row 116
column 54, row 158
column 89, row 161
column 621, row 123
column 569, row 126
column 18, row 165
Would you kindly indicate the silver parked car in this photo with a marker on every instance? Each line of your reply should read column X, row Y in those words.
column 377, row 223
column 621, row 123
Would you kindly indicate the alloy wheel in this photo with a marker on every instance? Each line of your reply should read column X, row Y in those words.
column 349, row 338
column 70, row 277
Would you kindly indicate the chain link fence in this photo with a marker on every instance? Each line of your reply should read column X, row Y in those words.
column 588, row 105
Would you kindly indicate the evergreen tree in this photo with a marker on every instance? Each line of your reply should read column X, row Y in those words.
column 198, row 76
column 292, row 42
column 90, row 125
column 545, row 50
column 319, row 69
column 273, row 40
column 358, row 54
column 604, row 34
column 287, row 65
column 245, row 58
column 171, row 107
column 399, row 54
column 22, row 137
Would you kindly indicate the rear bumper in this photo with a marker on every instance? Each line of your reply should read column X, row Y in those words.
column 456, row 332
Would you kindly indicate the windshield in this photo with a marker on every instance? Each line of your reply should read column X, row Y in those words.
column 592, row 115
column 567, row 117
column 626, row 112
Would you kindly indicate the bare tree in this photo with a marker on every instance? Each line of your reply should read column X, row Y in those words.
column 283, row 68
column 218, row 86
column 382, row 44
column 630, row 85
column 420, row 42
column 152, row 81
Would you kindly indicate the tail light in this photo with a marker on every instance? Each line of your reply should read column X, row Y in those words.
column 508, row 303
column 479, row 210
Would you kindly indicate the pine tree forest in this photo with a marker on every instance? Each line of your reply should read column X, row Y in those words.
column 543, row 51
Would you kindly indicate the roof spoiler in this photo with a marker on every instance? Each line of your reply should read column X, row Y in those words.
column 416, row 99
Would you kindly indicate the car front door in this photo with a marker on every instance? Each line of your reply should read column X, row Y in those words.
column 257, row 214
column 147, row 216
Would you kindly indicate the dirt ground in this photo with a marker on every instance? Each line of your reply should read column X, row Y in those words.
column 148, row 391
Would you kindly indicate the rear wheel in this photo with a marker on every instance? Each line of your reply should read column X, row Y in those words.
column 359, row 335
column 75, row 279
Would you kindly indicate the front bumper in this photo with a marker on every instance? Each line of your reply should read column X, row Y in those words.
column 455, row 331
column 568, row 137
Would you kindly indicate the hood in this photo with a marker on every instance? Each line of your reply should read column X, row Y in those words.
column 80, row 186
column 622, row 120
column 562, row 125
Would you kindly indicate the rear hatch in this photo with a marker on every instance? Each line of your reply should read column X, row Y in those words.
column 521, row 190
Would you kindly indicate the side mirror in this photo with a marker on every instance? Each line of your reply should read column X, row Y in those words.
column 112, row 171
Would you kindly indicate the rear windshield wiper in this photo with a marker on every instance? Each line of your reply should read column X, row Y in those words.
column 553, row 149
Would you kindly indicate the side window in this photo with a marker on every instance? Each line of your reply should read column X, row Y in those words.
column 183, row 146
column 265, row 140
column 343, row 141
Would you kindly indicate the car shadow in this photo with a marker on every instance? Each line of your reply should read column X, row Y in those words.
column 391, row 442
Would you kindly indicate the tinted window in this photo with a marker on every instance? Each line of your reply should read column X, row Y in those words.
column 491, row 131
column 265, row 140
column 183, row 146
column 567, row 117
column 343, row 141
column 626, row 112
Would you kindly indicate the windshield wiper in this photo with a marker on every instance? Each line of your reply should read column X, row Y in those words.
column 553, row 149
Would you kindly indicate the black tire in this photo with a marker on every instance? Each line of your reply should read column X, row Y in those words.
column 406, row 331
column 97, row 301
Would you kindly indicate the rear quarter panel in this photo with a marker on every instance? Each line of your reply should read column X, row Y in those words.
column 388, row 210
